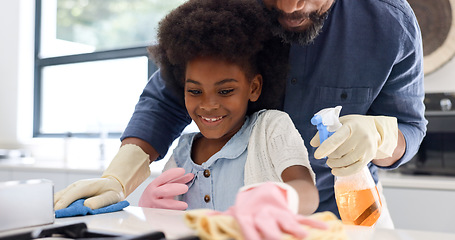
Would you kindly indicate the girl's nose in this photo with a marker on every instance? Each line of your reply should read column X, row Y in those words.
column 209, row 104
column 290, row 6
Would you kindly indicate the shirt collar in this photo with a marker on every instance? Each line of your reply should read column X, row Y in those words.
column 232, row 149
column 239, row 142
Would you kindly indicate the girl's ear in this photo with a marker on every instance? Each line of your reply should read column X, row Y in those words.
column 255, row 88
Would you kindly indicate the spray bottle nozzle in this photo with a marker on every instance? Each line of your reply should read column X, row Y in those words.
column 327, row 122
column 323, row 132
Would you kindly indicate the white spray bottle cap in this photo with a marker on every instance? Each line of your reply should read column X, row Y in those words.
column 327, row 121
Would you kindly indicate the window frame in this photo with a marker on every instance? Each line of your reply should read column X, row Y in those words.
column 40, row 63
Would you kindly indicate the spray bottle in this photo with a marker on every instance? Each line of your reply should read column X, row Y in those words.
column 356, row 195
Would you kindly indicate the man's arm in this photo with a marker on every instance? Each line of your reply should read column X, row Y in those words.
column 158, row 119
column 146, row 147
column 403, row 93
column 397, row 154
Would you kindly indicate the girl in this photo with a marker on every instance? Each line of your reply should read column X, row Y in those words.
column 221, row 58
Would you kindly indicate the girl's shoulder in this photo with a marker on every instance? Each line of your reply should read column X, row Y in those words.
column 272, row 116
column 184, row 145
column 273, row 122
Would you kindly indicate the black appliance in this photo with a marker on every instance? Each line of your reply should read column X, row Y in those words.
column 436, row 155
column 80, row 231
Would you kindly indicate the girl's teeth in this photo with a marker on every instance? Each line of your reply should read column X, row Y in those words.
column 211, row 119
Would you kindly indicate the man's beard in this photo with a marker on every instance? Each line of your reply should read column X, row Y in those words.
column 303, row 37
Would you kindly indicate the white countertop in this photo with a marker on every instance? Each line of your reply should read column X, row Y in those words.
column 32, row 164
column 394, row 179
column 388, row 178
column 137, row 221
column 88, row 167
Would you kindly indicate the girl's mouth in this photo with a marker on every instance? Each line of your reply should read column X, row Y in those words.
column 211, row 119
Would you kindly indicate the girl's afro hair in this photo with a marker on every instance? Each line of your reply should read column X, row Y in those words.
column 237, row 31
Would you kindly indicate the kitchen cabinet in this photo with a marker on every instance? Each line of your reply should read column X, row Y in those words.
column 60, row 175
column 57, row 178
column 422, row 209
column 5, row 175
column 420, row 202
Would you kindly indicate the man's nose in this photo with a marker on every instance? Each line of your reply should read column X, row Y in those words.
column 290, row 6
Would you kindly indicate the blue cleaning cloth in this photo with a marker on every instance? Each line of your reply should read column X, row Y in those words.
column 77, row 208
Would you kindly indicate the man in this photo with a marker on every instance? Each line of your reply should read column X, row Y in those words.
column 363, row 55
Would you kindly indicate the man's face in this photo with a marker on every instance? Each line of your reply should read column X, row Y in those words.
column 298, row 20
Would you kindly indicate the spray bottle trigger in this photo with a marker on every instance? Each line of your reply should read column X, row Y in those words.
column 323, row 132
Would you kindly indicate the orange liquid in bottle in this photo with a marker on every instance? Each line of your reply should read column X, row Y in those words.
column 358, row 207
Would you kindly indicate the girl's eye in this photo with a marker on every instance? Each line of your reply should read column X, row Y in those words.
column 194, row 92
column 226, row 91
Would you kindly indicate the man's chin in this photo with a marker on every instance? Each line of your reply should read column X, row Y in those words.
column 298, row 29
column 303, row 32
column 302, row 35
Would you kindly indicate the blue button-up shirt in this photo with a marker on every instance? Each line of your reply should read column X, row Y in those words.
column 216, row 181
column 368, row 59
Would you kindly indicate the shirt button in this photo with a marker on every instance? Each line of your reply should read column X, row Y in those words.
column 344, row 95
column 206, row 173
column 294, row 81
column 207, row 198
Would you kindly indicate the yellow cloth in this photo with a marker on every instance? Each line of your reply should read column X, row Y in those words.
column 334, row 232
column 220, row 226
column 209, row 226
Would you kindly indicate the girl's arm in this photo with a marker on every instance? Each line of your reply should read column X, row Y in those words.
column 300, row 179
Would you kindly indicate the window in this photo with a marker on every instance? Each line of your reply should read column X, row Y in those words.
column 91, row 63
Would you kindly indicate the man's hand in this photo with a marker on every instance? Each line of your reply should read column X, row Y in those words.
column 128, row 169
column 359, row 140
column 99, row 192
column 161, row 191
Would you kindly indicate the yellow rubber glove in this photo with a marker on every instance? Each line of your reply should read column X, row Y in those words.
column 128, row 169
column 359, row 140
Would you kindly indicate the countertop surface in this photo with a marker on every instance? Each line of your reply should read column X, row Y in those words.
column 394, row 179
column 137, row 221
column 32, row 164
column 88, row 167
column 388, row 178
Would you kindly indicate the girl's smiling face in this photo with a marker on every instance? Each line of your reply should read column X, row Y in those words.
column 217, row 94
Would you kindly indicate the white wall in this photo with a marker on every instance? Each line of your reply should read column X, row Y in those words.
column 16, row 73
column 441, row 80
column 9, row 23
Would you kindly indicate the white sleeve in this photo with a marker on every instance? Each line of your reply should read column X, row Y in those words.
column 275, row 144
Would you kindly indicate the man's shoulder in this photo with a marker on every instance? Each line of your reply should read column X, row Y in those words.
column 400, row 6
column 388, row 18
column 392, row 6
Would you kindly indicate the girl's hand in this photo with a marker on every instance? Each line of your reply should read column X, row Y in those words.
column 161, row 191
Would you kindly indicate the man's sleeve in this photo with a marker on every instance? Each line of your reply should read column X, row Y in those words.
column 403, row 93
column 159, row 117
